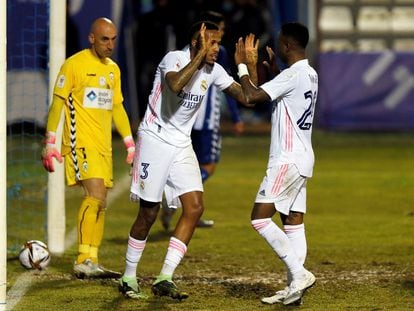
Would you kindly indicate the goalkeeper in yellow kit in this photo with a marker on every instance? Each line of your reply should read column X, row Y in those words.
column 88, row 89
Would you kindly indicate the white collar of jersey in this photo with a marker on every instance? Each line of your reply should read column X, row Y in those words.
column 300, row 63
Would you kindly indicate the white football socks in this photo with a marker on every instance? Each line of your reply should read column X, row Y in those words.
column 176, row 251
column 297, row 238
column 280, row 243
column 133, row 255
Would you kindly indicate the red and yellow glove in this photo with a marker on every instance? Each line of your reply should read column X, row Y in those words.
column 130, row 147
column 50, row 151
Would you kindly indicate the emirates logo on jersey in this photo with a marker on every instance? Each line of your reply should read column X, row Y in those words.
column 189, row 100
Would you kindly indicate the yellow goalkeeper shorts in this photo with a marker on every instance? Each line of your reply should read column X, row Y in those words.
column 88, row 164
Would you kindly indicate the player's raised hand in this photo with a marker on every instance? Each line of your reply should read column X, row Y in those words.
column 271, row 64
column 202, row 42
column 240, row 52
column 251, row 47
column 50, row 151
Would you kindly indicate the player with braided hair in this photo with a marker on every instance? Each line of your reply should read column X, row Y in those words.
column 206, row 133
column 166, row 161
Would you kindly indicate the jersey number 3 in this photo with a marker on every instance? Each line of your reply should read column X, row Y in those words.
column 305, row 121
column 144, row 173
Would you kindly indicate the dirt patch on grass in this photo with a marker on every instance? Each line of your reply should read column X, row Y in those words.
column 263, row 279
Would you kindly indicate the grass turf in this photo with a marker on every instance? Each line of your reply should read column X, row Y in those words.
column 360, row 229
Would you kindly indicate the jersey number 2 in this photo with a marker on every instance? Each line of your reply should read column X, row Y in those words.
column 303, row 122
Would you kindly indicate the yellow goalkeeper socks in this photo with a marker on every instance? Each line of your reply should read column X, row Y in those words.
column 97, row 235
column 87, row 220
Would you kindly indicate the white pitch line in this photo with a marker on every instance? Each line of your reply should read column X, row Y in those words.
column 24, row 281
column 19, row 289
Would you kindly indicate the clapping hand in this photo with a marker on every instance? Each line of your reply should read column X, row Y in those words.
column 271, row 64
column 246, row 51
column 201, row 40
column 251, row 49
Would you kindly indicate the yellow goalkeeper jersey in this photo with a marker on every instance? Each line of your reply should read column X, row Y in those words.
column 92, row 91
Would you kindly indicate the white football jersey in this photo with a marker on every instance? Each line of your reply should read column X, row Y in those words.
column 170, row 116
column 294, row 92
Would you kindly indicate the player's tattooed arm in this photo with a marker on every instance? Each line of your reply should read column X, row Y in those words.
column 253, row 94
column 243, row 56
column 235, row 91
column 176, row 80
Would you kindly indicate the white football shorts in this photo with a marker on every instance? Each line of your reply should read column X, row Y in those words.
column 285, row 187
column 159, row 166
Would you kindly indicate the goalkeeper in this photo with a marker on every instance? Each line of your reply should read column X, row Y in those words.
column 88, row 90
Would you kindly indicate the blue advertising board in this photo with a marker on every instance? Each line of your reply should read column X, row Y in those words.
column 366, row 91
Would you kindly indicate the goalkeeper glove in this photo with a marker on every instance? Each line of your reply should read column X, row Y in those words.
column 50, row 151
column 130, row 147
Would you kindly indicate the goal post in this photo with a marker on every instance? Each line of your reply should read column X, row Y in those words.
column 3, row 158
column 56, row 220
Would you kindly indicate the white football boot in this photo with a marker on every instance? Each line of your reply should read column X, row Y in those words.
column 298, row 287
column 278, row 297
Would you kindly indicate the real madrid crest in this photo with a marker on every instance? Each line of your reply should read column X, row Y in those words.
column 203, row 85
column 111, row 76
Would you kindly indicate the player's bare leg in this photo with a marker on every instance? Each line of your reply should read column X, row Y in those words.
column 192, row 210
column 167, row 213
column 207, row 170
column 146, row 217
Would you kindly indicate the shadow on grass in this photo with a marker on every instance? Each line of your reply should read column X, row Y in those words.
column 243, row 290
column 154, row 236
column 408, row 284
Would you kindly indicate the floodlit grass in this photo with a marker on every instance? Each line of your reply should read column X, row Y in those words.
column 360, row 230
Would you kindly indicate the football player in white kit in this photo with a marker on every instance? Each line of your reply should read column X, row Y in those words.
column 165, row 160
column 293, row 95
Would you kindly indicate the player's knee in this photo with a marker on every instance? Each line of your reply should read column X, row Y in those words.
column 194, row 210
column 198, row 209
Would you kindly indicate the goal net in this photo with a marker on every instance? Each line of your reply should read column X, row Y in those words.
column 27, row 105
column 31, row 61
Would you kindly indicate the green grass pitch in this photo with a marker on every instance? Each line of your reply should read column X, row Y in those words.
column 360, row 230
